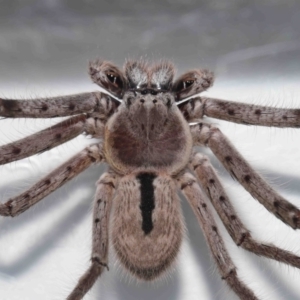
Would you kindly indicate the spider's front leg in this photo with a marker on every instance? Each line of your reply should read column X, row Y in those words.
column 199, row 203
column 50, row 107
column 251, row 114
column 241, row 113
column 237, row 166
column 95, row 109
column 102, row 207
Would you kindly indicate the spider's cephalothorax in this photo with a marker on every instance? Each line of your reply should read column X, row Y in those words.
column 147, row 126
column 148, row 132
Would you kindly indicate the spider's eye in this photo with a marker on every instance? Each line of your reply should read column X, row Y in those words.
column 144, row 92
column 112, row 78
column 188, row 83
column 184, row 84
column 153, row 92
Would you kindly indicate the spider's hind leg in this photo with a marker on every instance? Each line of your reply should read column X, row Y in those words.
column 102, row 207
column 199, row 203
column 237, row 230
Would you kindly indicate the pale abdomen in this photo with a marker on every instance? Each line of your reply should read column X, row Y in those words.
column 147, row 224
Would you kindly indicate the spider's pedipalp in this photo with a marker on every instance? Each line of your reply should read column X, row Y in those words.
column 52, row 181
column 199, row 203
column 239, row 169
column 102, row 207
column 240, row 234
column 50, row 107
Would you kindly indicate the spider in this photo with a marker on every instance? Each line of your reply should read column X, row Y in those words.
column 148, row 126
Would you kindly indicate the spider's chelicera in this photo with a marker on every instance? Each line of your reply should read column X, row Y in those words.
column 147, row 125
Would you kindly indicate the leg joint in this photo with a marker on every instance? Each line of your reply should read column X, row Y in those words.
column 96, row 260
column 230, row 273
column 6, row 209
column 243, row 237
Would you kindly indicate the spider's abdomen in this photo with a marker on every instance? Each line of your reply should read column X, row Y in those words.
column 147, row 224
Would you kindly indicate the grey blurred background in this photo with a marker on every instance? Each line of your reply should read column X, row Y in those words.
column 254, row 49
column 42, row 36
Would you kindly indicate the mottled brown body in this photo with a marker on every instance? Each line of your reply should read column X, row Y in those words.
column 147, row 125
column 147, row 256
column 148, row 136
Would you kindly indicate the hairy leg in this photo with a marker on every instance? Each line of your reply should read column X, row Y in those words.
column 241, row 113
column 51, row 137
column 191, row 190
column 102, row 207
column 237, row 166
column 52, row 181
column 251, row 114
column 50, row 107
column 239, row 233
column 43, row 140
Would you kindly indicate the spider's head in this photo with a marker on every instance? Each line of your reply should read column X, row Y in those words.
column 141, row 78
column 148, row 128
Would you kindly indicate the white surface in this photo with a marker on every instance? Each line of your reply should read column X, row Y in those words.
column 45, row 250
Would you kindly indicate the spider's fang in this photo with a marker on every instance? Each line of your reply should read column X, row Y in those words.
column 110, row 94
column 194, row 123
column 187, row 99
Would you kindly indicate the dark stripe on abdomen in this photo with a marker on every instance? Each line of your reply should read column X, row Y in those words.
column 147, row 200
